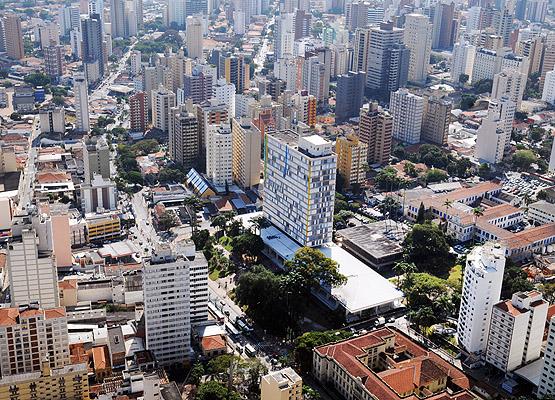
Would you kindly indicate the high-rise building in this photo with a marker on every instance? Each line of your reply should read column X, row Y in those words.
column 284, row 34
column 516, row 331
column 494, row 134
column 193, row 37
column 54, row 61
column 376, row 130
column 302, row 20
column 352, row 154
column 13, row 36
column 462, row 61
column 52, row 120
column 219, row 156
column 96, row 158
column 349, row 96
column 80, row 90
column 236, row 70
column 239, row 25
column 536, row 10
column 247, row 142
column 211, row 112
column 68, row 19
column 482, row 281
column 474, row 19
column 435, row 121
column 92, row 47
column 136, row 62
column 284, row 384
column 176, row 14
column 503, row 25
column 197, row 87
column 407, row 110
column 162, row 101
column 548, row 93
column 197, row 7
column 32, row 275
column 29, row 336
column 445, row 26
column 138, row 112
column 49, row 35
column 184, row 141
column 356, row 15
column 509, row 84
column 299, row 188
column 224, row 92
column 304, row 105
column 360, row 54
column 418, row 39
column 546, row 384
column 487, row 63
column 388, row 60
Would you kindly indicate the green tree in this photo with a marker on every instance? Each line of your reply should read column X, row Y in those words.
column 170, row 175
column 37, row 79
column 135, row 177
column 387, row 179
column 196, row 374
column 213, row 390
column 167, row 220
column 15, row 116
column 435, row 175
column 467, row 101
column 403, row 268
column 410, row 169
column 247, row 246
column 305, row 344
column 463, row 78
column 58, row 100
column 426, row 246
column 390, row 207
column 482, row 86
column 144, row 147
column 514, row 280
column 200, row 238
column 259, row 223
column 523, row 159
column 484, row 171
column 421, row 215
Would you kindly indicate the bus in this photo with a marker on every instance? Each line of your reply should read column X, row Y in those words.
column 243, row 326
column 250, row 350
column 217, row 314
column 231, row 329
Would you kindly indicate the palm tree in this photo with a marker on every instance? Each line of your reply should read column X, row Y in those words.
column 403, row 268
column 260, row 223
column 219, row 222
column 192, row 204
column 477, row 212
column 448, row 204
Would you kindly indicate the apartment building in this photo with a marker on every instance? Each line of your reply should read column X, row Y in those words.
column 436, row 119
column 351, row 160
column 247, row 142
column 138, row 112
column 546, row 384
column 376, row 130
column 162, row 101
column 184, row 140
column 516, row 331
column 219, row 155
column 284, row 384
column 407, row 110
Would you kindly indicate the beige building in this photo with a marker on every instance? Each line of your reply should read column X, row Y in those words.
column 61, row 235
column 28, row 336
column 435, row 122
column 184, row 140
column 162, row 101
column 8, row 161
column 284, row 384
column 106, row 226
column 247, row 142
column 351, row 160
column 376, row 130
column 69, row 382
column 13, row 37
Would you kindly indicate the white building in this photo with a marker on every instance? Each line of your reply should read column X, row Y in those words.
column 286, row 69
column 239, row 22
column 33, row 277
column 193, row 37
column 52, row 120
column 219, row 155
column 80, row 90
column 548, row 93
column 488, row 62
column 511, row 84
column 482, row 281
column 552, row 158
column 136, row 62
column 462, row 60
column 494, row 135
column 300, row 185
column 284, row 35
column 541, row 212
column 162, row 101
column 407, row 110
column 473, row 18
column 546, row 384
column 99, row 193
column 516, row 331
column 284, row 384
column 418, row 38
column 225, row 93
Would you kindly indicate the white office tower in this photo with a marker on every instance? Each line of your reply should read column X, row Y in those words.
column 239, row 22
column 219, row 155
column 299, row 186
column 136, row 62
column 418, row 38
column 473, row 18
column 80, row 90
column 462, row 61
column 407, row 110
column 516, row 331
column 511, row 84
column 494, row 135
column 167, row 307
column 286, row 69
column 548, row 94
column 284, row 35
column 546, row 384
column 32, row 275
column 193, row 37
column 482, row 281
column 225, row 93
column 176, row 13
column 162, row 101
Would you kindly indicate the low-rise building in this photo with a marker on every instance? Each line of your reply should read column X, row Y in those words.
column 103, row 226
column 541, row 212
column 284, row 384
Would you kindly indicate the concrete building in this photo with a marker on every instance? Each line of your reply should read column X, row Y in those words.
column 284, row 34
column 284, row 384
column 52, row 120
column 54, row 61
column 418, row 39
column 117, row 18
column 169, row 292
column 360, row 53
column 494, row 134
column 247, row 142
column 162, row 101
column 94, row 57
column 546, row 384
column 96, row 158
column 184, row 141
column 541, row 212
column 436, row 119
column 548, row 93
column 30, row 335
column 349, row 96
column 32, row 274
column 356, row 15
column 219, row 155
column 136, row 62
column 236, row 70
column 198, row 87
column 138, row 112
column 462, row 62
column 352, row 156
column 300, row 186
column 407, row 110
column 482, row 281
column 176, row 13
column 224, row 93
column 80, row 90
column 488, row 62
column 516, row 331
column 211, row 112
column 305, row 105
column 509, row 84
column 376, row 130
column 388, row 60
column 23, row 98
column 13, row 36
column 445, row 25
column 193, row 37
column 100, row 193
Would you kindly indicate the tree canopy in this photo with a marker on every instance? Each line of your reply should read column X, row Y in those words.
column 426, row 246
